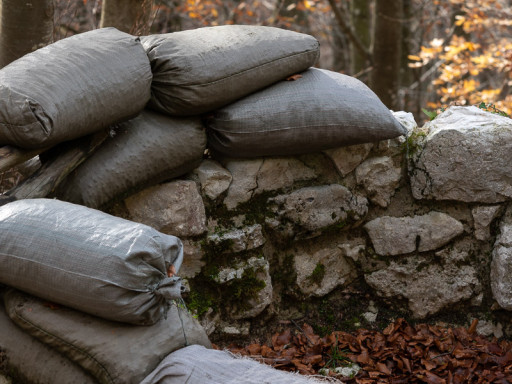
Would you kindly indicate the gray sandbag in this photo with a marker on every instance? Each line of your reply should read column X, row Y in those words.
column 199, row 70
column 27, row 359
column 146, row 150
column 88, row 260
column 74, row 87
column 320, row 110
column 198, row 365
column 111, row 352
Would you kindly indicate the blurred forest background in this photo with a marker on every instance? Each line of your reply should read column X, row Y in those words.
column 415, row 54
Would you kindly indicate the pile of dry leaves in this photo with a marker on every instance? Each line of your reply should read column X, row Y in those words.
column 400, row 354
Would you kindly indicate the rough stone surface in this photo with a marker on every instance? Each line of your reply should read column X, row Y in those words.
column 192, row 260
column 244, row 173
column 406, row 119
column 279, row 173
column 489, row 329
column 379, row 177
column 243, row 239
column 465, row 157
column 256, row 305
column 334, row 267
column 252, row 177
column 401, row 235
column 312, row 209
column 175, row 208
column 346, row 159
column 501, row 265
column 214, row 178
column 483, row 217
column 428, row 287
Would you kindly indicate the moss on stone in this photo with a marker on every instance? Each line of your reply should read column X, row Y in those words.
column 318, row 274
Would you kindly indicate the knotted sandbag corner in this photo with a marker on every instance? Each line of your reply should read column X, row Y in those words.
column 88, row 260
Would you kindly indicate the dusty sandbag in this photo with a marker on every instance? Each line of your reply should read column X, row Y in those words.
column 88, row 260
column 320, row 110
column 145, row 151
column 112, row 352
column 198, row 365
column 199, row 70
column 27, row 359
column 74, row 87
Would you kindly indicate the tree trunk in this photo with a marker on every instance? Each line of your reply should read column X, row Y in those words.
column 361, row 21
column 130, row 16
column 385, row 77
column 24, row 27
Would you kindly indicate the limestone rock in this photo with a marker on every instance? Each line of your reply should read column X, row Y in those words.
column 400, row 235
column 243, row 184
column 406, row 119
column 346, row 159
column 428, row 287
column 214, row 178
column 489, row 329
column 243, row 239
column 252, row 177
column 319, row 273
column 254, row 306
column 380, row 178
column 483, row 217
column 501, row 265
column 175, row 208
column 279, row 173
column 466, row 157
column 192, row 260
column 313, row 209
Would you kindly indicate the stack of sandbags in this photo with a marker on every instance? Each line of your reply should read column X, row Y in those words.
column 116, row 278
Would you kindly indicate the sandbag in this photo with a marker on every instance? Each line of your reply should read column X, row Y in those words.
column 145, row 151
column 88, row 260
column 74, row 87
column 27, row 359
column 320, row 110
column 198, row 365
column 111, row 352
column 199, row 70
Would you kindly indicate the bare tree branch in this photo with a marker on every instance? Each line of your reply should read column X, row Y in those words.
column 349, row 31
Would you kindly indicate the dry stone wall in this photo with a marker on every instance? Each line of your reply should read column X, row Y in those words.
column 416, row 226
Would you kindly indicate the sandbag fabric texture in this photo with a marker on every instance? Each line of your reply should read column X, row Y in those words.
column 198, row 365
column 74, row 87
column 88, row 260
column 28, row 360
column 144, row 151
column 112, row 352
column 197, row 71
column 320, row 110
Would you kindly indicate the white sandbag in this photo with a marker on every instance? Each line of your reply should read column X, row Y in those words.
column 111, row 352
column 74, row 87
column 199, row 70
column 320, row 110
column 198, row 365
column 88, row 260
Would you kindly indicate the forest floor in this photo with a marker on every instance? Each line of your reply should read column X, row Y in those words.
column 401, row 353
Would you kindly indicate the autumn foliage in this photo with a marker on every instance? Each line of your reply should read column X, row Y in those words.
column 400, row 354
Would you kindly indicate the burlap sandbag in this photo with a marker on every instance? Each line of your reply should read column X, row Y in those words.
column 113, row 353
column 199, row 70
column 146, row 150
column 320, row 110
column 72, row 88
column 88, row 260
column 28, row 360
